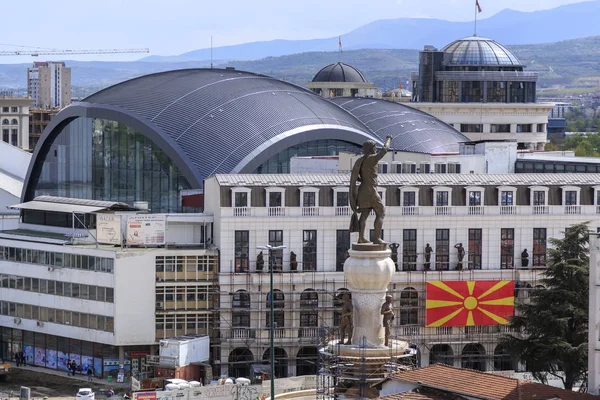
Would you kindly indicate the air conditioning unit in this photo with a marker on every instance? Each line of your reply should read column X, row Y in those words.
column 17, row 321
column 159, row 304
column 40, row 323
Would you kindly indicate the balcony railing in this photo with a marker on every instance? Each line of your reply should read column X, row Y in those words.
column 308, row 332
column 409, row 211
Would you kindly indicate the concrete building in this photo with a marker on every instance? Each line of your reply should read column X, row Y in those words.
column 341, row 80
column 49, row 84
column 14, row 119
column 479, row 87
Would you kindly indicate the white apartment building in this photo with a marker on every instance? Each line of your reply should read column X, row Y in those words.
column 496, row 217
column 49, row 84
column 14, row 120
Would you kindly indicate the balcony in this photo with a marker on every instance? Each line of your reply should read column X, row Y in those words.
column 412, row 211
column 308, row 332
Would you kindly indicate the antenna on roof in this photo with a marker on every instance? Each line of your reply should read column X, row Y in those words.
column 211, row 52
column 477, row 11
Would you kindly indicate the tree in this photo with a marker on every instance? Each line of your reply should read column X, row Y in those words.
column 553, row 327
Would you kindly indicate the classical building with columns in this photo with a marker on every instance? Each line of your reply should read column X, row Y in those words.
column 481, row 88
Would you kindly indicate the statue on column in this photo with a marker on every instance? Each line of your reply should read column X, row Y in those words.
column 428, row 251
column 388, row 316
column 461, row 255
column 365, row 198
column 346, row 325
column 394, row 248
column 260, row 262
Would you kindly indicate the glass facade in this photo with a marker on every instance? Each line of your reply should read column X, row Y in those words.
column 99, row 159
column 280, row 163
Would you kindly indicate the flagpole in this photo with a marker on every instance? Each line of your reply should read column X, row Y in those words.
column 475, row 30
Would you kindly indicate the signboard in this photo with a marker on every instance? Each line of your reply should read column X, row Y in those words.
column 469, row 303
column 145, row 230
column 108, row 227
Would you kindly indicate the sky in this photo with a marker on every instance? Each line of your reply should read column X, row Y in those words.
column 170, row 27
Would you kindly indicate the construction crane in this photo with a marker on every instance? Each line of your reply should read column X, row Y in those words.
column 35, row 53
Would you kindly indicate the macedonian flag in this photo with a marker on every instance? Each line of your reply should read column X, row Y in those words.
column 469, row 303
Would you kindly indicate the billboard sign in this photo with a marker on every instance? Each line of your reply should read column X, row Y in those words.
column 146, row 230
column 108, row 229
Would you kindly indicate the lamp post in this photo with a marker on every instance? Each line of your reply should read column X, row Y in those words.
column 270, row 248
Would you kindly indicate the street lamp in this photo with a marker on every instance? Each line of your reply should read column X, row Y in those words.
column 270, row 248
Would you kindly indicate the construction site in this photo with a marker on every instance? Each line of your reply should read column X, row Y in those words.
column 307, row 314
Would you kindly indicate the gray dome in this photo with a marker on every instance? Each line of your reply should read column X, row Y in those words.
column 478, row 51
column 339, row 72
column 411, row 130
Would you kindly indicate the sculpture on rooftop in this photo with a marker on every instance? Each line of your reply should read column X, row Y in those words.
column 365, row 198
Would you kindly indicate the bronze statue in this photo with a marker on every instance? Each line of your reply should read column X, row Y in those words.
column 293, row 262
column 346, row 325
column 388, row 316
column 428, row 251
column 524, row 259
column 365, row 198
column 260, row 262
column 461, row 255
column 394, row 248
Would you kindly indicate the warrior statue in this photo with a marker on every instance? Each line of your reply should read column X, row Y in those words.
column 346, row 325
column 388, row 316
column 365, row 198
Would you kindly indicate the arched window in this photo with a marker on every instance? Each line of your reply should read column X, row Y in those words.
column 241, row 299
column 409, row 306
column 473, row 357
column 306, row 361
column 281, row 361
column 441, row 354
column 278, row 304
column 240, row 360
column 15, row 121
column 309, row 301
column 502, row 360
column 5, row 121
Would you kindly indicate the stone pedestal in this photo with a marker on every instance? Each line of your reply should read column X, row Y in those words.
column 368, row 272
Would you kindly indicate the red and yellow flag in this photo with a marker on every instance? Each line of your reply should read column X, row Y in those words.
column 469, row 303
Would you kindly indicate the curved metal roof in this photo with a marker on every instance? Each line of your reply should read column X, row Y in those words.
column 476, row 50
column 213, row 120
column 411, row 129
column 339, row 72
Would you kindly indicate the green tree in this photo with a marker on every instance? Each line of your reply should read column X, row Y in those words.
column 554, row 325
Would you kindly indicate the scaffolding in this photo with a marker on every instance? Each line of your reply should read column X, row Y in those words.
column 308, row 313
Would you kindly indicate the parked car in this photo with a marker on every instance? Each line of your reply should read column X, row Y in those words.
column 86, row 394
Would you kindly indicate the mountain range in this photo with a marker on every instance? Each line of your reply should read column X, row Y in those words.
column 508, row 27
column 386, row 51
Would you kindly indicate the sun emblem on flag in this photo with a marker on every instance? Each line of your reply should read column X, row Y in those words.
column 469, row 303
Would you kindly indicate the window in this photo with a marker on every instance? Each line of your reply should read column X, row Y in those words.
column 309, row 199
column 570, row 198
column 471, row 128
column 409, row 199
column 14, row 137
column 500, row 128
column 279, row 303
column 507, row 248
column 309, row 250
column 539, row 198
column 524, row 128
column 441, row 198
column 475, row 248
column 241, row 199
column 242, row 248
column 474, row 198
column 409, row 307
column 5, row 110
column 342, row 199
column 276, row 261
column 409, row 250
column 442, row 249
column 241, row 299
column 275, row 199
column 342, row 244
column 241, row 319
column 539, row 247
column 309, row 299
column 14, row 109
column 5, row 135
column 506, row 198
column 14, row 121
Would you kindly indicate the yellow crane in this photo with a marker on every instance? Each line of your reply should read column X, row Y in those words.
column 52, row 52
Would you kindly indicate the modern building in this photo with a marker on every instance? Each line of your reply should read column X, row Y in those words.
column 341, row 80
column 495, row 217
column 14, row 119
column 49, row 84
column 480, row 87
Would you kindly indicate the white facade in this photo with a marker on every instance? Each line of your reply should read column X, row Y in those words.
column 14, row 121
column 515, row 212
column 523, row 122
